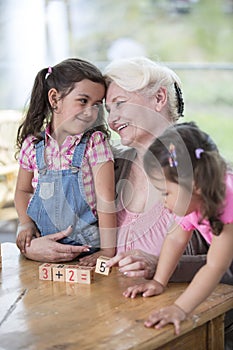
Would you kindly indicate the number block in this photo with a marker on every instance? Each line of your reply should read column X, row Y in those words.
column 85, row 274
column 71, row 273
column 101, row 265
column 45, row 272
column 59, row 273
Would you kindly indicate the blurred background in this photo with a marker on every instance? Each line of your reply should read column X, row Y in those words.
column 193, row 37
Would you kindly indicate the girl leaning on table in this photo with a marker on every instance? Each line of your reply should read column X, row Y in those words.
column 185, row 165
column 66, row 174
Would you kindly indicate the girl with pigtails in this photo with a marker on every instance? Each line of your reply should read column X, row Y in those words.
column 65, row 187
column 197, row 186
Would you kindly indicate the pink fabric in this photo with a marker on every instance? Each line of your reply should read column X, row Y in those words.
column 191, row 221
column 97, row 151
column 145, row 231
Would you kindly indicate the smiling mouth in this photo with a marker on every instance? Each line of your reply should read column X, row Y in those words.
column 122, row 126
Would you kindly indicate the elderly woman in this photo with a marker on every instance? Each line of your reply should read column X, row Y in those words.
column 143, row 98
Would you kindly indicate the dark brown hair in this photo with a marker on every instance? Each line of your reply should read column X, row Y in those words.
column 62, row 77
column 195, row 158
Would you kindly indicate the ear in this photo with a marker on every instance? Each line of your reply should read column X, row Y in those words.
column 196, row 190
column 160, row 99
column 53, row 98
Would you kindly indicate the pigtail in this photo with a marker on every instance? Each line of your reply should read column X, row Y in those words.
column 209, row 177
column 37, row 112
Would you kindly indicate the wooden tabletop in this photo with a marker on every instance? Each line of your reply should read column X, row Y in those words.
column 37, row 314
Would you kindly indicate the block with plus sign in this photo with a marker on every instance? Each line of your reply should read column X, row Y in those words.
column 71, row 273
column 85, row 274
column 59, row 273
column 45, row 272
column 101, row 265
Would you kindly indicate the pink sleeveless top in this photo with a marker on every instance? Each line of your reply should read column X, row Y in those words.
column 145, row 231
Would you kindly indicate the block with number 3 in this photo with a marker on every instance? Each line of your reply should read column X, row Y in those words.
column 45, row 272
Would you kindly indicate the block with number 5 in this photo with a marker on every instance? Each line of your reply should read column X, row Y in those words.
column 101, row 265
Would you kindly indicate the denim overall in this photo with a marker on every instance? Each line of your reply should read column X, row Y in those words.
column 59, row 201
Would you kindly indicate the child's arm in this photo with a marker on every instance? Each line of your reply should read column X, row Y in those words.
column 219, row 258
column 23, row 193
column 105, row 195
column 173, row 247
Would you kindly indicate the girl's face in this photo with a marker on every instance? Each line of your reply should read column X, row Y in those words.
column 176, row 198
column 76, row 112
column 133, row 116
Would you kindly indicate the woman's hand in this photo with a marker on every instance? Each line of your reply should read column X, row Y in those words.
column 135, row 263
column 170, row 314
column 147, row 289
column 47, row 249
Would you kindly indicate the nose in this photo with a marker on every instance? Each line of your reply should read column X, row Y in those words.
column 90, row 111
column 112, row 117
column 87, row 111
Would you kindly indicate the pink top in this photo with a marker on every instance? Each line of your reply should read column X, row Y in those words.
column 191, row 221
column 58, row 158
column 145, row 231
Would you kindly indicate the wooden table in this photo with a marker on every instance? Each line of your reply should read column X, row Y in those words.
column 37, row 314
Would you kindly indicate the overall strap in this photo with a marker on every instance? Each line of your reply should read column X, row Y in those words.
column 40, row 160
column 79, row 153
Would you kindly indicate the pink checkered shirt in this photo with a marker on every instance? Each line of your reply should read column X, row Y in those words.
column 97, row 151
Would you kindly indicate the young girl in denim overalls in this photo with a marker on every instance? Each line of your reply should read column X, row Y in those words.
column 66, row 176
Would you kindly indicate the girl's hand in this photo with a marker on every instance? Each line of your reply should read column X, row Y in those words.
column 90, row 260
column 25, row 235
column 147, row 289
column 170, row 314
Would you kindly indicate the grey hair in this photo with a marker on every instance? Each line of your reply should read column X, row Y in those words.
column 140, row 74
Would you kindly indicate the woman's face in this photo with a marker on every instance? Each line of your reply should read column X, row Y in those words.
column 133, row 116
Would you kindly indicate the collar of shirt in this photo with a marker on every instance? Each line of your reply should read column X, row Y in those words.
column 60, row 157
column 69, row 141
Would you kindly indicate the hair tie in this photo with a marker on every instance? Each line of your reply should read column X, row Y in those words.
column 172, row 158
column 180, row 100
column 50, row 70
column 198, row 152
